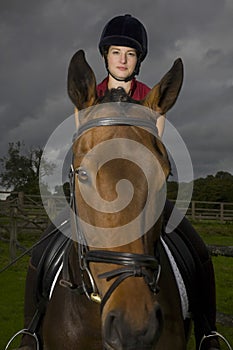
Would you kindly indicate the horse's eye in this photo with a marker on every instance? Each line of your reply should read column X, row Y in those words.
column 82, row 174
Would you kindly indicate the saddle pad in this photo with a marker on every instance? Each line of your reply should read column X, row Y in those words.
column 179, row 280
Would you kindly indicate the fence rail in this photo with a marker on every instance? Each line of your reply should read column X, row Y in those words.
column 197, row 210
column 201, row 210
column 20, row 212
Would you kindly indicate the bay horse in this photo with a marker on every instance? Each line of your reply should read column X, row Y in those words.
column 122, row 294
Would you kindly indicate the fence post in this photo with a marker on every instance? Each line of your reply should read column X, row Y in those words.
column 221, row 212
column 193, row 210
column 13, row 233
column 21, row 199
column 52, row 210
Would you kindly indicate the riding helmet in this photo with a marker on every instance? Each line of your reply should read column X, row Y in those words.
column 124, row 31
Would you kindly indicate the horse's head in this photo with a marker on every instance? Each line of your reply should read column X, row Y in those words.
column 120, row 171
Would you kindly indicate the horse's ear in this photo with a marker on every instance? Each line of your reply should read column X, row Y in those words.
column 81, row 82
column 164, row 94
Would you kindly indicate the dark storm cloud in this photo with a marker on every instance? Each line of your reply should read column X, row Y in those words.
column 38, row 38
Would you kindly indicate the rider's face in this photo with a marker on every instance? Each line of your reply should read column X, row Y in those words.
column 121, row 61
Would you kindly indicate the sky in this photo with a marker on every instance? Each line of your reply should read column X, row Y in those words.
column 38, row 39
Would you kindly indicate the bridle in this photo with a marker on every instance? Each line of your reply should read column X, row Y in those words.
column 131, row 264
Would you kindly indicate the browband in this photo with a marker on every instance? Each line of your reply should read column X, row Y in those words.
column 117, row 120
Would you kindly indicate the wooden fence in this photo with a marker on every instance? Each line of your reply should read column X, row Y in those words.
column 26, row 213
column 21, row 213
column 198, row 210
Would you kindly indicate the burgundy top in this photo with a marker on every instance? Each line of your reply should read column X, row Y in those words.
column 138, row 90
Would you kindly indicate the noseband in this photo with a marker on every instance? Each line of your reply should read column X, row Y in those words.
column 135, row 265
column 132, row 265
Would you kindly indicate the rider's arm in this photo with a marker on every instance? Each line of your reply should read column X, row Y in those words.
column 160, row 124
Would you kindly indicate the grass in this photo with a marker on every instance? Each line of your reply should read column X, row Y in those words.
column 11, row 298
column 224, row 281
column 219, row 234
column 12, row 310
column 12, row 281
column 215, row 232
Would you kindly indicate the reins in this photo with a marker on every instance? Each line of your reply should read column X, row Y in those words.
column 27, row 251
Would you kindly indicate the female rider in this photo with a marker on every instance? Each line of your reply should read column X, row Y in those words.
column 123, row 45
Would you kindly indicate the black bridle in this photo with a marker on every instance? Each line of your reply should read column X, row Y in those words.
column 132, row 265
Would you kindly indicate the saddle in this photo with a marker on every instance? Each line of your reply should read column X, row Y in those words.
column 48, row 270
column 50, row 265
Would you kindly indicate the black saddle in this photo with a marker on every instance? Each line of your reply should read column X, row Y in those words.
column 50, row 263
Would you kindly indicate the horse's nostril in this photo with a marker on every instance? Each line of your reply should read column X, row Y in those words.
column 158, row 322
column 158, row 314
column 112, row 329
column 120, row 334
column 154, row 325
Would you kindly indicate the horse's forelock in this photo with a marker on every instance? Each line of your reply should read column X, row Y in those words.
column 116, row 95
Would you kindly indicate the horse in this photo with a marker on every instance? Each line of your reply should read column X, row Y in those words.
column 120, row 292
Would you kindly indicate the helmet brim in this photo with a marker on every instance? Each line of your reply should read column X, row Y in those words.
column 121, row 41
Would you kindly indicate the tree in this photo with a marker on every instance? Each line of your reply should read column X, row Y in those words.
column 213, row 188
column 20, row 168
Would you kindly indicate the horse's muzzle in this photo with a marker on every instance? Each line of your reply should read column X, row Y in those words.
column 121, row 335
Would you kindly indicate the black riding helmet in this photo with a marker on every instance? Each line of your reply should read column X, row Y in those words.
column 124, row 31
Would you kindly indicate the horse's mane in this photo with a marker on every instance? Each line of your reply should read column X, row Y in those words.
column 117, row 95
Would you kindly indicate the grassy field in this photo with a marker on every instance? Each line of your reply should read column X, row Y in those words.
column 12, row 282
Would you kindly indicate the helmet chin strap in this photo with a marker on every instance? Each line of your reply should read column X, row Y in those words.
column 130, row 77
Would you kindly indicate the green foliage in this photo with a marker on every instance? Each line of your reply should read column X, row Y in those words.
column 218, row 188
column 172, row 188
column 22, row 167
